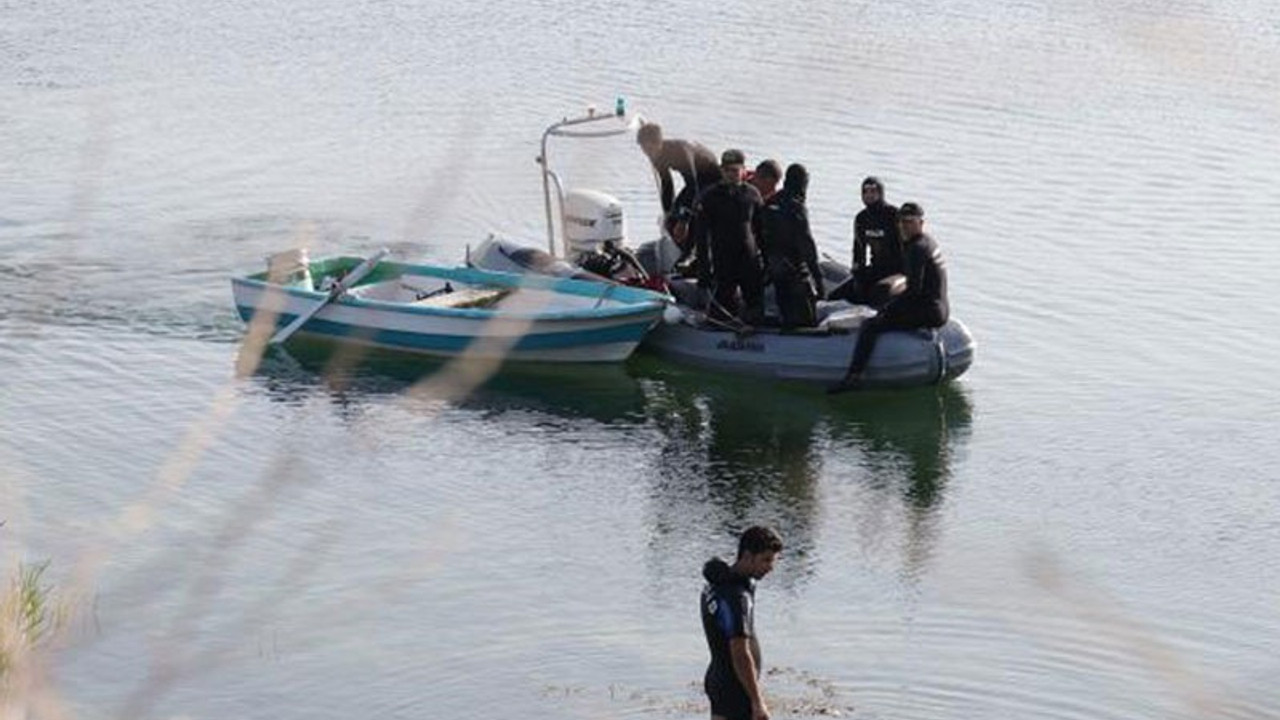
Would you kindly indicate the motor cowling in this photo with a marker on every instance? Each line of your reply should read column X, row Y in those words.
column 592, row 218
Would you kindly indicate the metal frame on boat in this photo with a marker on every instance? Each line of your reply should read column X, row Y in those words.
column 622, row 124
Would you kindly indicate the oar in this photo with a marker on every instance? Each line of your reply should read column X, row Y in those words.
column 335, row 292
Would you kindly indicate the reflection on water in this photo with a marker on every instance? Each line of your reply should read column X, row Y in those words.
column 907, row 442
column 912, row 430
column 729, row 451
column 603, row 393
column 736, row 451
column 733, row 453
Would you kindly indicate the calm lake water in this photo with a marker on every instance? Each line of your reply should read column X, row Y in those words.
column 1085, row 526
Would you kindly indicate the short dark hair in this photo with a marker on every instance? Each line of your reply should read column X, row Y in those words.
column 732, row 156
column 757, row 539
column 649, row 132
column 769, row 168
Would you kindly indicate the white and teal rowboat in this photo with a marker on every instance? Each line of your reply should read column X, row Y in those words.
column 451, row 311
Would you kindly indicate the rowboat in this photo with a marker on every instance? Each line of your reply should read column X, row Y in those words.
column 445, row 311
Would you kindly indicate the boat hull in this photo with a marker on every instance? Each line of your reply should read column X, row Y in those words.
column 900, row 358
column 609, row 335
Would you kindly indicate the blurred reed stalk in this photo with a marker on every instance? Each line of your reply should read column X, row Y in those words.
column 31, row 615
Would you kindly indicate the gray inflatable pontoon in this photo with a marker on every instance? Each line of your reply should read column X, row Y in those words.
column 819, row 355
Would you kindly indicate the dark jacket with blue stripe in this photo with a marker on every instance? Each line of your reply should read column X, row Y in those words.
column 728, row 611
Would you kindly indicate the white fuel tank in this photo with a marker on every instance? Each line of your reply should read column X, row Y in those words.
column 590, row 218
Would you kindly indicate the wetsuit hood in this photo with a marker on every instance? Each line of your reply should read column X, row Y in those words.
column 717, row 571
column 797, row 181
column 873, row 181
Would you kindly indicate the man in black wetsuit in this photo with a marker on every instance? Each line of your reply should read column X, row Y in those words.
column 875, row 229
column 696, row 166
column 923, row 304
column 732, row 682
column 723, row 235
column 790, row 256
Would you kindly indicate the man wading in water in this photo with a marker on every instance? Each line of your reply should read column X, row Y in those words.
column 728, row 619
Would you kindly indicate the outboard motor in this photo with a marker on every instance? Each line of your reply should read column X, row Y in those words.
column 595, row 232
column 592, row 218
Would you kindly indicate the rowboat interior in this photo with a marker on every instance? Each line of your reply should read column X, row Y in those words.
column 449, row 293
